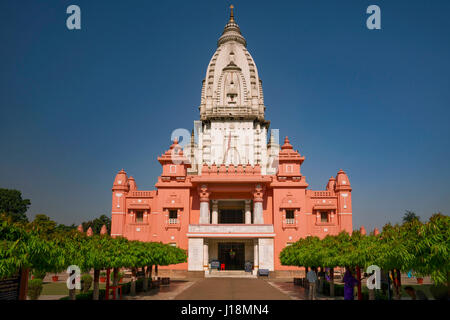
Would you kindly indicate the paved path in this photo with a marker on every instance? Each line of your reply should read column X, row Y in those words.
column 165, row 292
column 298, row 292
column 231, row 289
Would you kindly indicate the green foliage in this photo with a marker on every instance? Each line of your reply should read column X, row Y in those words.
column 39, row 274
column 20, row 248
column 97, row 224
column 120, row 275
column 34, row 288
column 422, row 247
column 86, row 282
column 410, row 216
column 43, row 225
column 12, row 204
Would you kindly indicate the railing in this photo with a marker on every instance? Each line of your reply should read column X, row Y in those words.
column 173, row 223
column 231, row 169
column 141, row 194
column 320, row 194
column 289, row 223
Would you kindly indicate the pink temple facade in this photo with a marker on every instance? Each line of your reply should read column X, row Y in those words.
column 230, row 195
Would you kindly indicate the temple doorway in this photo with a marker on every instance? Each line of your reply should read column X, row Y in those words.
column 232, row 254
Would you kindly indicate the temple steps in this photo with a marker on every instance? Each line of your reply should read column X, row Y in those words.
column 229, row 274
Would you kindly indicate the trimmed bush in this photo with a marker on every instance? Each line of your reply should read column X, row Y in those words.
column 34, row 288
column 86, row 282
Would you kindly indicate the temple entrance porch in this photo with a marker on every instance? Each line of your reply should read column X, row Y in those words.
column 230, row 211
column 238, row 247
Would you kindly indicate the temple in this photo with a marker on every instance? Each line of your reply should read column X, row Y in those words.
column 231, row 194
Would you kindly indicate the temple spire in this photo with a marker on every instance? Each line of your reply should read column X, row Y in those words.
column 231, row 32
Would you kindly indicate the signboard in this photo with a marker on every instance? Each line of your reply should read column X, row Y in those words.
column 215, row 264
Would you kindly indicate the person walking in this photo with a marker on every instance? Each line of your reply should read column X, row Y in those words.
column 349, row 284
column 311, row 276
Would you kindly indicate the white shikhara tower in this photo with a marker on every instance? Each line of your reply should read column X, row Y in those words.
column 232, row 128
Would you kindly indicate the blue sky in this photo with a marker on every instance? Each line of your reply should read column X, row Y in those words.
column 77, row 106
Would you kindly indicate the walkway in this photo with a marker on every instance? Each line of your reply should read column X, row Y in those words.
column 231, row 289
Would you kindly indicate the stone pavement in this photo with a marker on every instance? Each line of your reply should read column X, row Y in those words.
column 297, row 292
column 232, row 289
column 165, row 292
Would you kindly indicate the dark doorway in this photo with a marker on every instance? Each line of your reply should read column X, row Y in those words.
column 232, row 254
column 231, row 216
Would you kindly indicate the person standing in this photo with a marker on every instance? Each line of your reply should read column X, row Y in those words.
column 349, row 284
column 311, row 276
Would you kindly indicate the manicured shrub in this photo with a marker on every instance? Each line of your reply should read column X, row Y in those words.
column 34, row 288
column 86, row 282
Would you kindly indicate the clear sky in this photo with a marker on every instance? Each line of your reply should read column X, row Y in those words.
column 78, row 106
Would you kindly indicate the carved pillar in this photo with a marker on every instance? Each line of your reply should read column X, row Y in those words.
column 248, row 212
column 204, row 205
column 215, row 212
column 318, row 217
column 258, row 205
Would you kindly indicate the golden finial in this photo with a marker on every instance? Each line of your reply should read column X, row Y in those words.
column 231, row 12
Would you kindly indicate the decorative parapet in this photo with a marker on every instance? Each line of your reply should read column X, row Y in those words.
column 141, row 194
column 231, row 229
column 231, row 169
column 320, row 194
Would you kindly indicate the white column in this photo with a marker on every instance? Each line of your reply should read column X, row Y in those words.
column 256, row 257
column 248, row 213
column 204, row 212
column 258, row 213
column 205, row 255
column 215, row 212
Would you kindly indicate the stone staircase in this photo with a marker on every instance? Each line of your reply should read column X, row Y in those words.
column 228, row 274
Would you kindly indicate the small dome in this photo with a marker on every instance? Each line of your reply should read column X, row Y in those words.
column 104, row 230
column 132, row 184
column 331, row 184
column 287, row 145
column 342, row 181
column 121, row 181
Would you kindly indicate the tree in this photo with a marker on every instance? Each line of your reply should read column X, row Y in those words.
column 97, row 224
column 410, row 216
column 22, row 249
column 431, row 248
column 13, row 205
column 43, row 225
